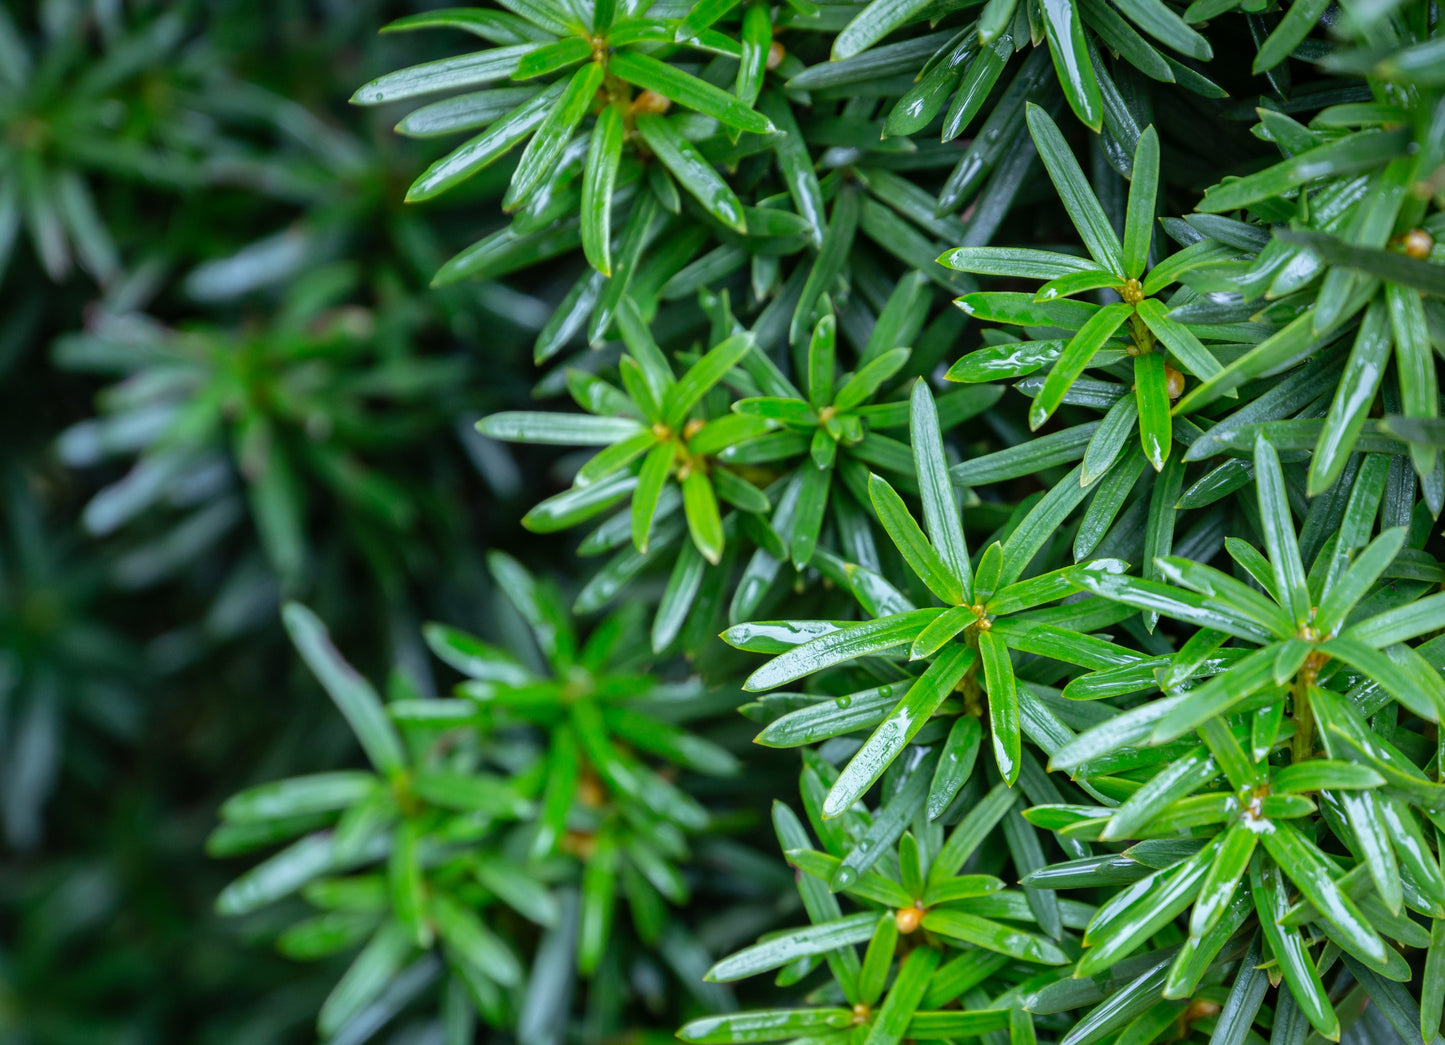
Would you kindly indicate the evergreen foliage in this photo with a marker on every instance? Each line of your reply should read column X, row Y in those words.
column 1039, row 398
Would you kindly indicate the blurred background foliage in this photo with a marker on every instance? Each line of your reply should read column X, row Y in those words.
column 222, row 381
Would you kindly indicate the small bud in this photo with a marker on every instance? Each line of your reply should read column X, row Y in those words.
column 908, row 919
column 650, row 102
column 579, row 844
column 1173, row 381
column 590, row 793
column 861, row 1013
column 1200, row 1008
column 776, row 54
column 693, row 427
column 1133, row 292
column 1418, row 243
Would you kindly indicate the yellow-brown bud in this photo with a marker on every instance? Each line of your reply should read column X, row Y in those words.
column 590, row 792
column 1173, row 381
column 908, row 919
column 579, row 844
column 1200, row 1008
column 650, row 102
column 1418, row 243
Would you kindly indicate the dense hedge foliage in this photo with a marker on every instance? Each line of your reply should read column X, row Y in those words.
column 1039, row 397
